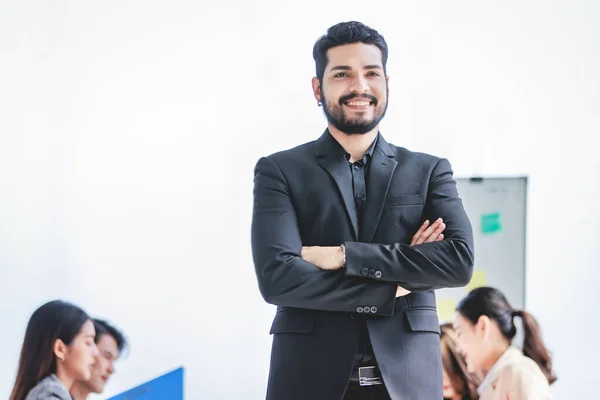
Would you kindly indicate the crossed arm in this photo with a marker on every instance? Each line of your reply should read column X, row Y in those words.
column 286, row 277
column 331, row 258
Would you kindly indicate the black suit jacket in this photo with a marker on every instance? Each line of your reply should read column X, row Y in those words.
column 303, row 197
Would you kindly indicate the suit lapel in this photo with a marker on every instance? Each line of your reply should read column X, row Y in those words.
column 333, row 161
column 379, row 178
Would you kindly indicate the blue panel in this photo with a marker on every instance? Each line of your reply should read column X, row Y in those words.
column 166, row 387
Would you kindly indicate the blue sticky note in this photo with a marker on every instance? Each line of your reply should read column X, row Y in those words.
column 491, row 223
column 168, row 386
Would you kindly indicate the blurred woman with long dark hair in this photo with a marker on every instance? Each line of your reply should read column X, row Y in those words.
column 485, row 328
column 58, row 349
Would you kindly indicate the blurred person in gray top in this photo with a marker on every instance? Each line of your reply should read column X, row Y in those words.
column 58, row 349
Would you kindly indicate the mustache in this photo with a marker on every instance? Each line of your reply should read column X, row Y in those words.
column 353, row 96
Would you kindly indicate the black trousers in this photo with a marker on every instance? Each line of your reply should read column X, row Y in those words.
column 375, row 392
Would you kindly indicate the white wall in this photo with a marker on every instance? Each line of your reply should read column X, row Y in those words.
column 112, row 114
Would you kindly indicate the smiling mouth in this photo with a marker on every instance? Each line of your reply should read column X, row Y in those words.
column 358, row 103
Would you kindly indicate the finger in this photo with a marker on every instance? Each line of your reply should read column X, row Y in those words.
column 429, row 231
column 419, row 232
column 441, row 237
column 422, row 228
column 435, row 233
column 425, row 234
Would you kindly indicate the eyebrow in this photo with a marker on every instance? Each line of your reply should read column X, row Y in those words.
column 347, row 68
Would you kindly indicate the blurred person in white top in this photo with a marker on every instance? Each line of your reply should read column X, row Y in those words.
column 485, row 327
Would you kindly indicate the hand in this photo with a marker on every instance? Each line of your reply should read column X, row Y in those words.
column 428, row 234
column 425, row 234
column 326, row 258
column 400, row 291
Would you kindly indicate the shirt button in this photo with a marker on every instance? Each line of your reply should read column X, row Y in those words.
column 360, row 195
column 356, row 167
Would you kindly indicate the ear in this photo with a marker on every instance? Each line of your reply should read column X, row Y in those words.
column 482, row 328
column 316, row 89
column 60, row 350
column 387, row 83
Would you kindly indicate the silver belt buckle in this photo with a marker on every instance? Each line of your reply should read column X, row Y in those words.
column 369, row 376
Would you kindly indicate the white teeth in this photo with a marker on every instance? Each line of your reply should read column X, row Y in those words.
column 358, row 103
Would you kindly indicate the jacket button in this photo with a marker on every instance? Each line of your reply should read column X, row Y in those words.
column 367, row 309
column 371, row 272
column 364, row 271
column 359, row 309
column 373, row 309
column 377, row 274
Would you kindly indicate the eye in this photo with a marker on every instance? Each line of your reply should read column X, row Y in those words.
column 373, row 73
column 340, row 75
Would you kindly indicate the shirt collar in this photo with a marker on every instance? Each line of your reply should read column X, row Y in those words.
column 491, row 375
column 367, row 154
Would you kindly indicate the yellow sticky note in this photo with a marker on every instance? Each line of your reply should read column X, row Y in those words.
column 446, row 309
column 478, row 280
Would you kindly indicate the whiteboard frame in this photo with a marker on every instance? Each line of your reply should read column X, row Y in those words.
column 517, row 177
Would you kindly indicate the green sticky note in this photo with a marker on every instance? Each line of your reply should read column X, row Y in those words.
column 490, row 223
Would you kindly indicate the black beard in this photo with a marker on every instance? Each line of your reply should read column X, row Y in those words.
column 337, row 118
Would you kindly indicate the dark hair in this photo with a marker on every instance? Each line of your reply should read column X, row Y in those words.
column 104, row 328
column 54, row 320
column 346, row 33
column 464, row 383
column 491, row 302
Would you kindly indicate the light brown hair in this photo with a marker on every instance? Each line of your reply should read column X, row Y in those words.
column 454, row 364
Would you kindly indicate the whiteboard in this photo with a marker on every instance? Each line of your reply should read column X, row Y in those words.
column 497, row 209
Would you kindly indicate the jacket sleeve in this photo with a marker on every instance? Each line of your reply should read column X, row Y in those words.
column 447, row 263
column 284, row 278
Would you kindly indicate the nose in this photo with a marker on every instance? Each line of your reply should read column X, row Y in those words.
column 95, row 352
column 359, row 85
column 111, row 368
